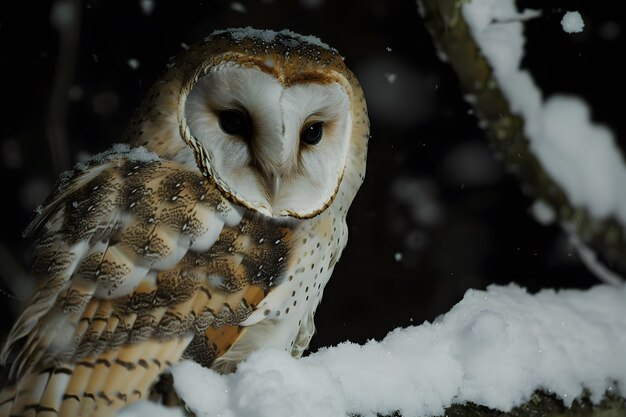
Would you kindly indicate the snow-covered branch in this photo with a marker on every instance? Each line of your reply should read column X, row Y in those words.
column 569, row 163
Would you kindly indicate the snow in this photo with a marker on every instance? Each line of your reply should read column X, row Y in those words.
column 147, row 6
column 590, row 259
column 133, row 63
column 391, row 77
column 572, row 22
column 116, row 151
column 494, row 348
column 542, row 212
column 580, row 155
column 287, row 37
column 238, row 7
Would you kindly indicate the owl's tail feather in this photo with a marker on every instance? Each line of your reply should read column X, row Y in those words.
column 36, row 394
column 92, row 387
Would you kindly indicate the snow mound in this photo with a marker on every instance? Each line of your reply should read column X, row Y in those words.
column 494, row 348
column 572, row 22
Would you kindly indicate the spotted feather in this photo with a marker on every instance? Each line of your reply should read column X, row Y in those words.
column 109, row 292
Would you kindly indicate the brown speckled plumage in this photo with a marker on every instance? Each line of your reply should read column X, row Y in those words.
column 145, row 258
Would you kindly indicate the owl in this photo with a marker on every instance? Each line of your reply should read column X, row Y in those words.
column 209, row 232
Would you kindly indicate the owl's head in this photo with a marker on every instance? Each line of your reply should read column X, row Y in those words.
column 275, row 119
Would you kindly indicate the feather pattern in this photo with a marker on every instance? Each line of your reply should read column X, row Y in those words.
column 125, row 293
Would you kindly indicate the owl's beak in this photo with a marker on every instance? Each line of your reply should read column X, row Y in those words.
column 274, row 185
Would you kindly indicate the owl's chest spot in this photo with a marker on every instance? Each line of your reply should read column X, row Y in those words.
column 292, row 304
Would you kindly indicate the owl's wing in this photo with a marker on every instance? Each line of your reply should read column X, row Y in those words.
column 136, row 259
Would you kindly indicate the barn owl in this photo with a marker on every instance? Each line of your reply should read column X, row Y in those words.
column 208, row 233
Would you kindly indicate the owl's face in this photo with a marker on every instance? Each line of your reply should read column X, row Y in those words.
column 276, row 120
column 280, row 148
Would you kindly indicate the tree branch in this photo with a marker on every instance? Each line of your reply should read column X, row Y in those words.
column 505, row 130
column 65, row 16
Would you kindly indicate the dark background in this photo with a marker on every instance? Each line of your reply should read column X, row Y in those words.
column 438, row 213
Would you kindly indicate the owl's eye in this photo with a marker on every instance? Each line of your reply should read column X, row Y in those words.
column 312, row 134
column 235, row 122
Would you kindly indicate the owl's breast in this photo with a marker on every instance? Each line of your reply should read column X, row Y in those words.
column 284, row 318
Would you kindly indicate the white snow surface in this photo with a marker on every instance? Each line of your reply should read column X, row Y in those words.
column 572, row 22
column 495, row 347
column 116, row 151
column 580, row 155
column 289, row 38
